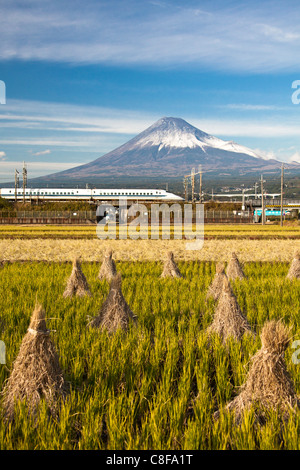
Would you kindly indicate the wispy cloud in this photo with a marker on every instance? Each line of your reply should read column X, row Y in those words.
column 255, row 107
column 236, row 36
column 247, row 128
column 99, row 129
column 34, row 168
column 2, row 156
column 42, row 152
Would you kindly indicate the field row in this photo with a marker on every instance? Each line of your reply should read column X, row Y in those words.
column 218, row 232
column 132, row 250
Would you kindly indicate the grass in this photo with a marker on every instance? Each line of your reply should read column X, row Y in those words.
column 157, row 386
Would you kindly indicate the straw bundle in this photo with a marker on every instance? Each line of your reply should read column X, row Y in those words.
column 170, row 267
column 228, row 318
column 268, row 384
column 36, row 372
column 294, row 271
column 115, row 312
column 234, row 269
column 215, row 289
column 77, row 283
column 108, row 268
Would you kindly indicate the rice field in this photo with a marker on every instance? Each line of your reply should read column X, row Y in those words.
column 150, row 250
column 158, row 385
column 211, row 231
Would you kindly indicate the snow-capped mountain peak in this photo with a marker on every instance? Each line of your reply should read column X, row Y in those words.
column 177, row 133
column 172, row 147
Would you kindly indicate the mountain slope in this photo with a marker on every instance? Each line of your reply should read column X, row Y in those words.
column 171, row 147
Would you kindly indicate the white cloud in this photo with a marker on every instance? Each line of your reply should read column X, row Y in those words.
column 2, row 156
column 266, row 154
column 222, row 35
column 70, row 117
column 255, row 107
column 295, row 157
column 34, row 168
column 43, row 152
column 247, row 128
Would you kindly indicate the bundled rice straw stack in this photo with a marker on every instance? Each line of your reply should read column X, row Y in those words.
column 77, row 283
column 228, row 318
column 234, row 269
column 36, row 372
column 170, row 267
column 216, row 286
column 108, row 268
column 268, row 384
column 115, row 313
column 294, row 271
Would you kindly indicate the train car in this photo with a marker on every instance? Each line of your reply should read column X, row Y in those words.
column 269, row 213
column 73, row 194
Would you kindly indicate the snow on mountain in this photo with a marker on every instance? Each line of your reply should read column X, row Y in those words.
column 177, row 133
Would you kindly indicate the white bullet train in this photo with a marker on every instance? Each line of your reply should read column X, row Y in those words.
column 67, row 194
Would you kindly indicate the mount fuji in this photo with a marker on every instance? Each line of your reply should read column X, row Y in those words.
column 171, row 147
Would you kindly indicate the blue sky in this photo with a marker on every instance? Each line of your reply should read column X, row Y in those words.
column 83, row 78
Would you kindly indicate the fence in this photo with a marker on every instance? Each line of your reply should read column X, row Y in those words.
column 86, row 217
column 47, row 217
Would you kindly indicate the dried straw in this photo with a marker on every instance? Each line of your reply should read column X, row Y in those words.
column 234, row 269
column 36, row 372
column 215, row 289
column 115, row 313
column 294, row 271
column 229, row 320
column 170, row 267
column 108, row 268
column 268, row 385
column 77, row 283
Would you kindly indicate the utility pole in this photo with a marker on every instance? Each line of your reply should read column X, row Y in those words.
column 185, row 183
column 200, row 183
column 16, row 183
column 281, row 196
column 193, row 184
column 262, row 201
column 24, row 175
column 255, row 190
